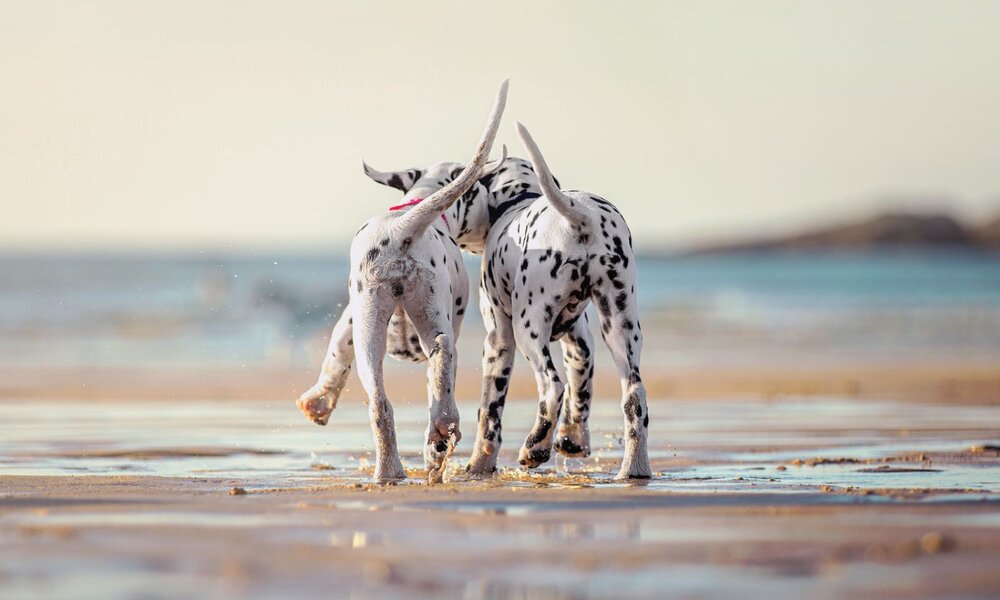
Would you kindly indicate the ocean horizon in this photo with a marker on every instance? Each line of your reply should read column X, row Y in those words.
column 211, row 309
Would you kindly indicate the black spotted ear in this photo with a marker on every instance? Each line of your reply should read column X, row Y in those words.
column 401, row 180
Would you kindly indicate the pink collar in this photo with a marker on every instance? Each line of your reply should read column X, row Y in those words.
column 414, row 202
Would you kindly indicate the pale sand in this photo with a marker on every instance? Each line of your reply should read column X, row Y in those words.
column 935, row 381
column 896, row 494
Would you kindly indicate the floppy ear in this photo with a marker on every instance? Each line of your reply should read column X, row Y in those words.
column 494, row 165
column 401, row 180
column 486, row 175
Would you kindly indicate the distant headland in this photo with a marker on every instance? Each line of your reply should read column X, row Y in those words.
column 895, row 230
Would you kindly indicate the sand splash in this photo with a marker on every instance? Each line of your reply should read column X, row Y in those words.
column 437, row 475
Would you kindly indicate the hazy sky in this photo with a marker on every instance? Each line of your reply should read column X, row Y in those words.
column 205, row 124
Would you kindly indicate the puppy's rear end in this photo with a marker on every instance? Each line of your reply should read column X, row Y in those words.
column 392, row 266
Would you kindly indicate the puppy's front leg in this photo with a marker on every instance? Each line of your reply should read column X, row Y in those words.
column 319, row 401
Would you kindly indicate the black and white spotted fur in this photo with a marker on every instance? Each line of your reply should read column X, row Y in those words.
column 546, row 255
column 408, row 288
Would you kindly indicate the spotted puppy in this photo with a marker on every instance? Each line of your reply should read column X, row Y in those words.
column 547, row 254
column 407, row 282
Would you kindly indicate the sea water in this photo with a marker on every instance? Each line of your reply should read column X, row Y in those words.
column 213, row 310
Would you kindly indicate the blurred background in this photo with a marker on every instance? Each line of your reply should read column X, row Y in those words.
column 809, row 185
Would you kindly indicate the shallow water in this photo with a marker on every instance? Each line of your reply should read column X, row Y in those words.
column 723, row 445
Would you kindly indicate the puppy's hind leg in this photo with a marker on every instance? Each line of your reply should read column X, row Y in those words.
column 498, row 359
column 437, row 338
column 573, row 435
column 533, row 334
column 319, row 401
column 372, row 312
column 623, row 335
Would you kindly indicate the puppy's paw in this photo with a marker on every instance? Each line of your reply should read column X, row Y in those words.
column 443, row 435
column 573, row 439
column 483, row 463
column 534, row 456
column 436, row 455
column 634, row 469
column 442, row 429
column 478, row 472
column 637, row 476
column 316, row 405
column 389, row 474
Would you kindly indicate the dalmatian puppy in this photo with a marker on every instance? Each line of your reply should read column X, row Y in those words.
column 406, row 276
column 547, row 254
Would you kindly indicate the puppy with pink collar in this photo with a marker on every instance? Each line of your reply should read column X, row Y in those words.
column 408, row 290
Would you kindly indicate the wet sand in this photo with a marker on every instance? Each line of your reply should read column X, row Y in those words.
column 164, row 537
column 764, row 490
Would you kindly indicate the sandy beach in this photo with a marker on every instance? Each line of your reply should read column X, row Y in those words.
column 822, row 484
column 812, row 433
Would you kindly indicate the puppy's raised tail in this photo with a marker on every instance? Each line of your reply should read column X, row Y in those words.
column 574, row 212
column 416, row 220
